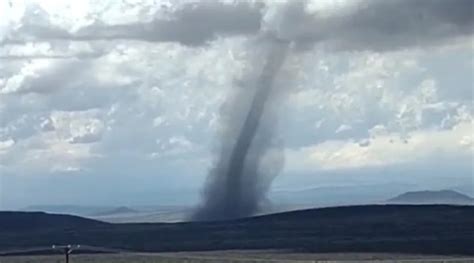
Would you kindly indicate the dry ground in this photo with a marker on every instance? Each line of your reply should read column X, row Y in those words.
column 236, row 256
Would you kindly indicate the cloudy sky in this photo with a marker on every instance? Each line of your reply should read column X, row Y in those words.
column 119, row 101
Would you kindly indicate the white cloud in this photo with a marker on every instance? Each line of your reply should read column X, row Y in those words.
column 4, row 145
column 11, row 15
column 50, row 50
column 343, row 128
column 43, row 154
column 175, row 147
column 135, row 95
column 47, row 125
column 88, row 131
column 46, row 76
column 383, row 150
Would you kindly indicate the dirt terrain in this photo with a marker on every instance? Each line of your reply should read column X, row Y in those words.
column 260, row 256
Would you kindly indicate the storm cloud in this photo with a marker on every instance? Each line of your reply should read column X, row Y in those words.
column 190, row 24
column 378, row 25
column 367, row 24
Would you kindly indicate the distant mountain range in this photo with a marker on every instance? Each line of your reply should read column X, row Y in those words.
column 117, row 211
column 432, row 197
column 338, row 195
column 69, row 209
column 281, row 201
column 119, row 214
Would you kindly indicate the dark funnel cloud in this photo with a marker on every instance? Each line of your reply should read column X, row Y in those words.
column 238, row 182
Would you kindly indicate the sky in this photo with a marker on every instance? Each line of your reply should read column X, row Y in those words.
column 119, row 101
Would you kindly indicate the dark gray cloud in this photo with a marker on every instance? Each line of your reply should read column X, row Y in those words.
column 369, row 24
column 10, row 58
column 379, row 25
column 192, row 24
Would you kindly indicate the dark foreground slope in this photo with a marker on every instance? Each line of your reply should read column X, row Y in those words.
column 438, row 229
column 18, row 222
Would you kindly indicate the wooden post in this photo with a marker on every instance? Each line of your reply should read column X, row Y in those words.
column 67, row 250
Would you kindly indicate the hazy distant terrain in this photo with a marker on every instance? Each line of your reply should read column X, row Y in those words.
column 81, row 210
column 117, row 211
column 440, row 229
column 339, row 195
column 433, row 197
column 282, row 201
column 164, row 216
column 121, row 214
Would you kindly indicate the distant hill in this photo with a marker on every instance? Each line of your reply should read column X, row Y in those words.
column 433, row 197
column 68, row 209
column 117, row 211
column 440, row 229
column 338, row 195
column 164, row 216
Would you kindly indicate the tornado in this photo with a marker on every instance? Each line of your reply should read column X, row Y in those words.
column 236, row 186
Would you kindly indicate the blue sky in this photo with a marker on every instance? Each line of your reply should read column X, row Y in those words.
column 109, row 102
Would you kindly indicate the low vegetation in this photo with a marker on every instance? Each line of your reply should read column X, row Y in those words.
column 440, row 229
